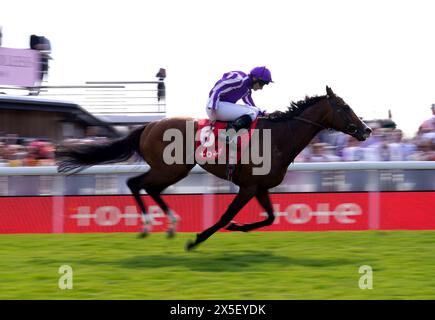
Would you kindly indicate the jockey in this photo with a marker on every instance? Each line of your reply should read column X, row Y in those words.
column 233, row 86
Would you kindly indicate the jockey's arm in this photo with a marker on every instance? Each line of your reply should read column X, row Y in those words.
column 248, row 100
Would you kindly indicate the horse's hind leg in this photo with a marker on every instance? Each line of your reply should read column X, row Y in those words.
column 154, row 182
column 134, row 185
column 154, row 192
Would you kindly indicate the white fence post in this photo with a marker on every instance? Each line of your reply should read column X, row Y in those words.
column 58, row 205
column 374, row 204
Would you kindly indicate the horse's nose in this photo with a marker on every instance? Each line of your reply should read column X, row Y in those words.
column 367, row 132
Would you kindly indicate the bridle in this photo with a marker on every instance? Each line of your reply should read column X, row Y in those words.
column 312, row 122
column 350, row 128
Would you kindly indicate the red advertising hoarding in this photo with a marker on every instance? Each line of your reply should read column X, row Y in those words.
column 407, row 210
column 293, row 212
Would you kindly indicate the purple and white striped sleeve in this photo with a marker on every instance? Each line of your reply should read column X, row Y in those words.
column 227, row 83
column 248, row 100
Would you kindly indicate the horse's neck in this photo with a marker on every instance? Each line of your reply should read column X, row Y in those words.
column 302, row 133
column 307, row 132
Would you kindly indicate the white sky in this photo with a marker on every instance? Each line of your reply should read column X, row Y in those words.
column 376, row 55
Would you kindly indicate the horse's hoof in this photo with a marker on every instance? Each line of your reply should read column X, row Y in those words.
column 143, row 235
column 231, row 227
column 234, row 227
column 170, row 233
column 189, row 245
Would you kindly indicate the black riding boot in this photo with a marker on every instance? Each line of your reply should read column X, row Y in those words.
column 243, row 122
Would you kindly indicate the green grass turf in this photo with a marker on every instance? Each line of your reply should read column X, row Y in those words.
column 261, row 265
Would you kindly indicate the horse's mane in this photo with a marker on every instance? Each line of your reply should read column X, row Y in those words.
column 295, row 109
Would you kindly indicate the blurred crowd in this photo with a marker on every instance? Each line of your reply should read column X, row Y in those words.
column 385, row 144
column 16, row 151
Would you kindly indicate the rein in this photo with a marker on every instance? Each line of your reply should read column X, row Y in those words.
column 310, row 122
column 315, row 123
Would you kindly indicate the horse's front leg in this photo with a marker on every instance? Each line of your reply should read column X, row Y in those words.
column 241, row 199
column 264, row 200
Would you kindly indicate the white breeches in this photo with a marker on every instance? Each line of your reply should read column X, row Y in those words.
column 227, row 111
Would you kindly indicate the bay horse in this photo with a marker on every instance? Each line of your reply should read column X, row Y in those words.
column 291, row 132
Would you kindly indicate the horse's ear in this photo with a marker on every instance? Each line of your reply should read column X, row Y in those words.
column 329, row 92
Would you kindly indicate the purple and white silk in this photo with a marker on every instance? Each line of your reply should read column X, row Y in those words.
column 233, row 86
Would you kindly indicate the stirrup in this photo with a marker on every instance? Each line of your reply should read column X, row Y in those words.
column 230, row 171
column 223, row 135
column 231, row 141
column 227, row 139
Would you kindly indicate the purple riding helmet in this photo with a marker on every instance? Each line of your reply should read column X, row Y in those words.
column 261, row 73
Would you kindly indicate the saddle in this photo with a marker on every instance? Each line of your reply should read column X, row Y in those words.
column 212, row 147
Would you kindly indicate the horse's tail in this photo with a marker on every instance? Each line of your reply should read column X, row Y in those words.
column 77, row 157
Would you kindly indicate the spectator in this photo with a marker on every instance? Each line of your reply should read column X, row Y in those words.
column 161, row 90
column 336, row 138
column 317, row 153
column 424, row 151
column 352, row 152
column 383, row 152
column 375, row 138
column 409, row 147
column 32, row 154
column 14, row 156
column 3, row 161
column 43, row 45
column 431, row 152
column 46, row 154
column 329, row 152
column 396, row 148
column 304, row 155
column 377, row 148
column 428, row 126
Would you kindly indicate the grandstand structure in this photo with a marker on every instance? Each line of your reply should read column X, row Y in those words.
column 62, row 112
column 31, row 107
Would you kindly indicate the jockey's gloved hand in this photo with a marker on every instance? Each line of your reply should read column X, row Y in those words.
column 262, row 113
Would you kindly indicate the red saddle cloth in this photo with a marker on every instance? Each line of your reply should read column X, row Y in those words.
column 209, row 145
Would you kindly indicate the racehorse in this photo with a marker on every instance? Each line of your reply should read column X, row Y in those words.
column 291, row 132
